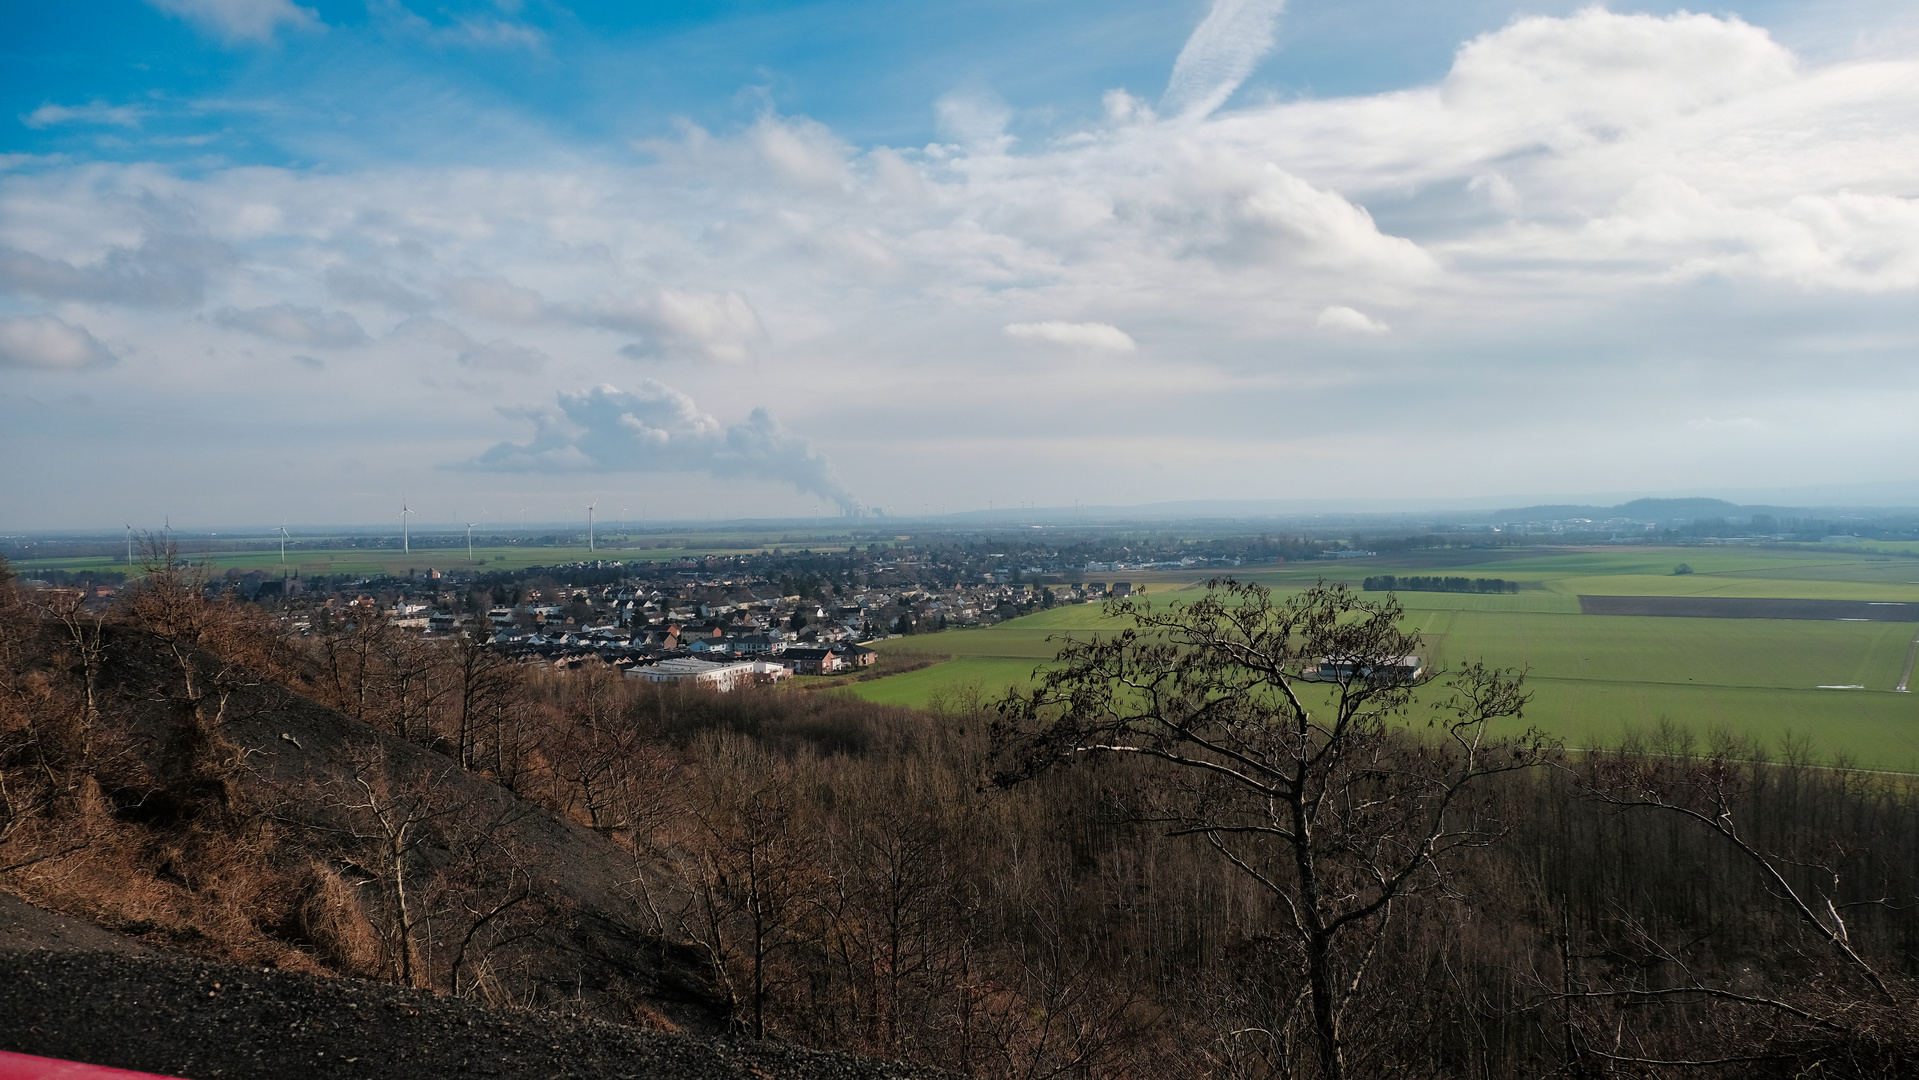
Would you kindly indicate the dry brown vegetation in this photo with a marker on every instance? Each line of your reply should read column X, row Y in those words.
column 823, row 870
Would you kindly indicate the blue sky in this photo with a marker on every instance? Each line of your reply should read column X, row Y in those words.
column 742, row 259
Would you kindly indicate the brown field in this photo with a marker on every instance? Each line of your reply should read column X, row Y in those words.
column 1742, row 607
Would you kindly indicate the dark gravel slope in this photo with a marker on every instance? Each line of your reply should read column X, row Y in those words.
column 202, row 1020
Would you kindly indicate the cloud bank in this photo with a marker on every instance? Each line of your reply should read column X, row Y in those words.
column 656, row 428
column 1580, row 209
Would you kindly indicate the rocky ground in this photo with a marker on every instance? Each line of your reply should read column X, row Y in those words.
column 72, row 990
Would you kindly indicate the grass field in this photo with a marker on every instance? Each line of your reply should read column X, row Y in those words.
column 361, row 563
column 1593, row 677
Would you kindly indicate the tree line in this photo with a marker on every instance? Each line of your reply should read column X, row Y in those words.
column 1418, row 583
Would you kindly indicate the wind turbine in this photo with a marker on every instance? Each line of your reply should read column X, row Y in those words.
column 405, row 544
column 589, row 525
column 283, row 543
column 469, row 541
column 129, row 545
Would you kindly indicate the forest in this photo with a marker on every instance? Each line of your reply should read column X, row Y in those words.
column 1166, row 859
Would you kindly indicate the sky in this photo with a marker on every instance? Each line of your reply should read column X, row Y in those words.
column 264, row 261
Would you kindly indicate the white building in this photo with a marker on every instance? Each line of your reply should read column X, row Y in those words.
column 707, row 673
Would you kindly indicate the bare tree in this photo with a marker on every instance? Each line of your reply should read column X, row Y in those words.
column 485, row 681
column 396, row 818
column 1843, row 1007
column 757, row 870
column 1281, row 724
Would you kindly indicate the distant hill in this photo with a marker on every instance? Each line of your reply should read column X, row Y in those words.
column 1644, row 510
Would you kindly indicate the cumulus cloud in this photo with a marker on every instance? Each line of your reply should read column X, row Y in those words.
column 1233, row 38
column 1101, row 337
column 1598, row 75
column 656, row 428
column 1558, row 193
column 43, row 341
column 716, row 326
column 1344, row 320
column 804, row 153
column 1246, row 211
column 295, row 325
column 236, row 21
column 977, row 120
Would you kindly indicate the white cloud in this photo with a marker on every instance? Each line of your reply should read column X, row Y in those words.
column 1088, row 335
column 1222, row 51
column 497, row 33
column 470, row 31
column 241, row 20
column 295, row 325
column 1597, row 200
column 1344, row 320
column 98, row 112
column 976, row 120
column 166, row 269
column 716, row 326
column 1598, row 75
column 656, row 428
column 42, row 341
column 802, row 152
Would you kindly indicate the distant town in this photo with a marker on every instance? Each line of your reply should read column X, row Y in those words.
column 724, row 620
column 770, row 614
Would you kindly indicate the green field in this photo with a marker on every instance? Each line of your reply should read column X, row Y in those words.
column 1593, row 677
column 363, row 562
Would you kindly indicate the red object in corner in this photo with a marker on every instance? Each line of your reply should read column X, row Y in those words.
column 28, row 1067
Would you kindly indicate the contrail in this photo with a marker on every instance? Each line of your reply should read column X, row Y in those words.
column 1233, row 38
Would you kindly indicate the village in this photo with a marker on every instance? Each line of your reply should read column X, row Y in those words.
column 719, row 632
column 720, row 622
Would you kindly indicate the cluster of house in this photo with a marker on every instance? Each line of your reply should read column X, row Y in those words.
column 649, row 635
column 720, row 645
column 722, row 633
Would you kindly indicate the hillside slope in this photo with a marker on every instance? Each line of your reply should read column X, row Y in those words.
column 229, row 816
column 192, row 1018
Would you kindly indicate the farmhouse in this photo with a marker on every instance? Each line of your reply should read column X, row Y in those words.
column 1395, row 669
column 814, row 661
